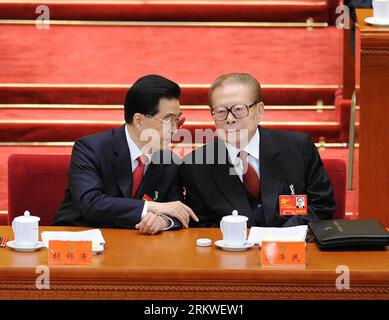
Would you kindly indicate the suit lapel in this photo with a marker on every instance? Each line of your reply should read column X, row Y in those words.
column 271, row 167
column 229, row 184
column 121, row 161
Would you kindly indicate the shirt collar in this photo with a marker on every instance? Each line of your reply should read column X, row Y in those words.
column 135, row 152
column 252, row 148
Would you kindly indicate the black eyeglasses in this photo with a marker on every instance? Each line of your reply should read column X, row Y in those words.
column 239, row 111
column 172, row 121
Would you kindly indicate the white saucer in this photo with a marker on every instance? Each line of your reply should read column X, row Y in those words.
column 377, row 22
column 11, row 244
column 220, row 244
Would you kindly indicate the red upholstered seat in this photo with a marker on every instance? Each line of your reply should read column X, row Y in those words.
column 37, row 183
column 3, row 219
column 336, row 169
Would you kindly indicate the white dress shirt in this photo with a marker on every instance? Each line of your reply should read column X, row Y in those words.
column 252, row 149
column 135, row 153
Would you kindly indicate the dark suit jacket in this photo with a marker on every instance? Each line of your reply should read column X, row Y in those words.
column 100, row 181
column 285, row 158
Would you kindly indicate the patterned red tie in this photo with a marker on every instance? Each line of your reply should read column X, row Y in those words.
column 250, row 177
column 137, row 175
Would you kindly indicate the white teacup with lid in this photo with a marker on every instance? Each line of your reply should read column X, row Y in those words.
column 234, row 229
column 25, row 230
column 381, row 10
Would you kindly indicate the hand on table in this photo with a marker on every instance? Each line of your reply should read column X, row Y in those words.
column 174, row 209
column 152, row 224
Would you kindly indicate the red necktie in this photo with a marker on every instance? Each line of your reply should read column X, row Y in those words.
column 250, row 177
column 137, row 174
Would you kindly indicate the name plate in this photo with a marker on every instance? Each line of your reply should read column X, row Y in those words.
column 274, row 253
column 70, row 252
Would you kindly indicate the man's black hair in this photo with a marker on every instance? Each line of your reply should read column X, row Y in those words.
column 144, row 95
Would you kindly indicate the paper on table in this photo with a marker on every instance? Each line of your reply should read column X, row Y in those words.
column 259, row 234
column 93, row 235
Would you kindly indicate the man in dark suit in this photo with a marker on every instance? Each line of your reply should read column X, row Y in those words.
column 247, row 167
column 113, row 173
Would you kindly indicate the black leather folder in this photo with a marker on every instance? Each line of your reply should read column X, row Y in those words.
column 349, row 234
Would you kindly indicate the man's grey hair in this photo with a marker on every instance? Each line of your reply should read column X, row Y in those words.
column 236, row 77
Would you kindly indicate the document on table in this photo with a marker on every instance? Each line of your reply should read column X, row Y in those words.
column 292, row 234
column 93, row 235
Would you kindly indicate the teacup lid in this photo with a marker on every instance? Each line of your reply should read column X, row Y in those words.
column 235, row 217
column 203, row 242
column 26, row 218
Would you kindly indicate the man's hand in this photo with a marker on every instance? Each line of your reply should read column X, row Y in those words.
column 152, row 224
column 174, row 209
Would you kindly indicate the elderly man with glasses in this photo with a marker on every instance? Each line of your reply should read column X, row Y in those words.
column 247, row 167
